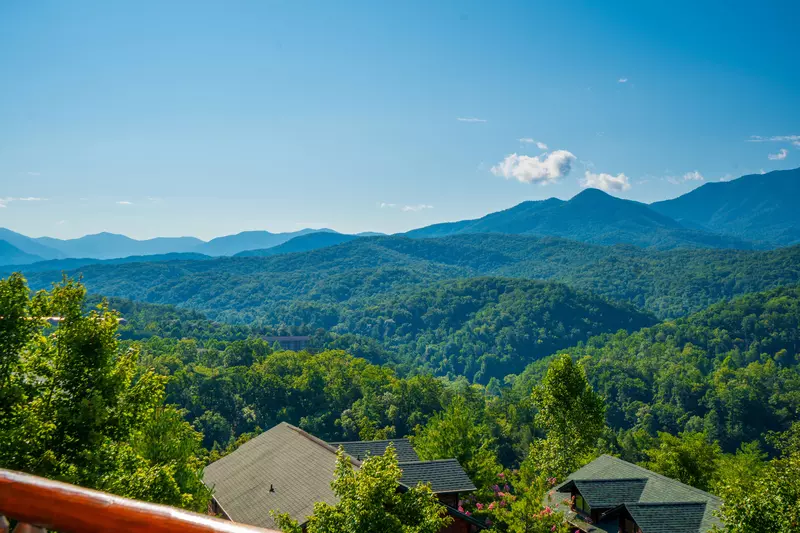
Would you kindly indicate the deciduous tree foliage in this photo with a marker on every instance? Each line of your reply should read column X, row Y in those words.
column 572, row 416
column 457, row 433
column 76, row 408
column 770, row 501
column 370, row 502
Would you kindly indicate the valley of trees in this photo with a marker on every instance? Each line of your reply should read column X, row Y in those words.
column 478, row 369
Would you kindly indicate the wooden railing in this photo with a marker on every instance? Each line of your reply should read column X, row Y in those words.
column 40, row 504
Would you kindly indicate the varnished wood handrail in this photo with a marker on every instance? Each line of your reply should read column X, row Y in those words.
column 71, row 509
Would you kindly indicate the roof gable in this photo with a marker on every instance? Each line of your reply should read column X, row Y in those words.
column 658, row 491
column 608, row 493
column 297, row 467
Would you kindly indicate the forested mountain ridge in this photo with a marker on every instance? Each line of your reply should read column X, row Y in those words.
column 758, row 207
column 483, row 328
column 10, row 254
column 301, row 243
column 249, row 240
column 591, row 216
column 53, row 265
column 104, row 246
column 266, row 290
column 731, row 371
column 110, row 245
column 29, row 245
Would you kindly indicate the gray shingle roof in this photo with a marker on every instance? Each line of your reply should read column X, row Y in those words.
column 287, row 470
column 658, row 490
column 668, row 517
column 444, row 475
column 298, row 467
column 361, row 448
column 607, row 493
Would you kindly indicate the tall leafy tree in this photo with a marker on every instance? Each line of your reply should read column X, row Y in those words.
column 571, row 414
column 769, row 502
column 456, row 433
column 689, row 457
column 370, row 502
column 75, row 406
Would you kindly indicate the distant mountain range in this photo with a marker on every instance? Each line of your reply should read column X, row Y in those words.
column 591, row 216
column 759, row 207
column 22, row 250
column 303, row 243
column 752, row 212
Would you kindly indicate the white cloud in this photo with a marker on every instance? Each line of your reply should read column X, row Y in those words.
column 796, row 143
column 385, row 205
column 124, row 202
column 780, row 156
column 694, row 175
column 418, row 207
column 762, row 171
column 622, row 80
column 34, row 174
column 606, row 182
column 8, row 199
column 546, row 168
column 774, row 138
column 470, row 119
column 60, row 222
column 539, row 144
column 726, row 177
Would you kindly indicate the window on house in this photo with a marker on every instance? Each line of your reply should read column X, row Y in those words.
column 582, row 505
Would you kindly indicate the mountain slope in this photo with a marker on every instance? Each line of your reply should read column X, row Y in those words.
column 730, row 370
column 591, row 216
column 249, row 240
column 485, row 327
column 305, row 288
column 74, row 263
column 29, row 245
column 303, row 243
column 758, row 207
column 111, row 245
column 11, row 255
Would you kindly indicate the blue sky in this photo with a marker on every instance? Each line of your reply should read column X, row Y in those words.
column 207, row 118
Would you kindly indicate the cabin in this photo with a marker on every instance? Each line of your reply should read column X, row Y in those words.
column 294, row 343
column 287, row 470
column 612, row 495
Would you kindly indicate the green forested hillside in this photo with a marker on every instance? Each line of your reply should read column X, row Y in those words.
column 303, row 243
column 483, row 328
column 731, row 371
column 268, row 290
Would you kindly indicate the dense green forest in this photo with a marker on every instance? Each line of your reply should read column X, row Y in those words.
column 711, row 399
column 731, row 371
column 482, row 328
column 270, row 290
